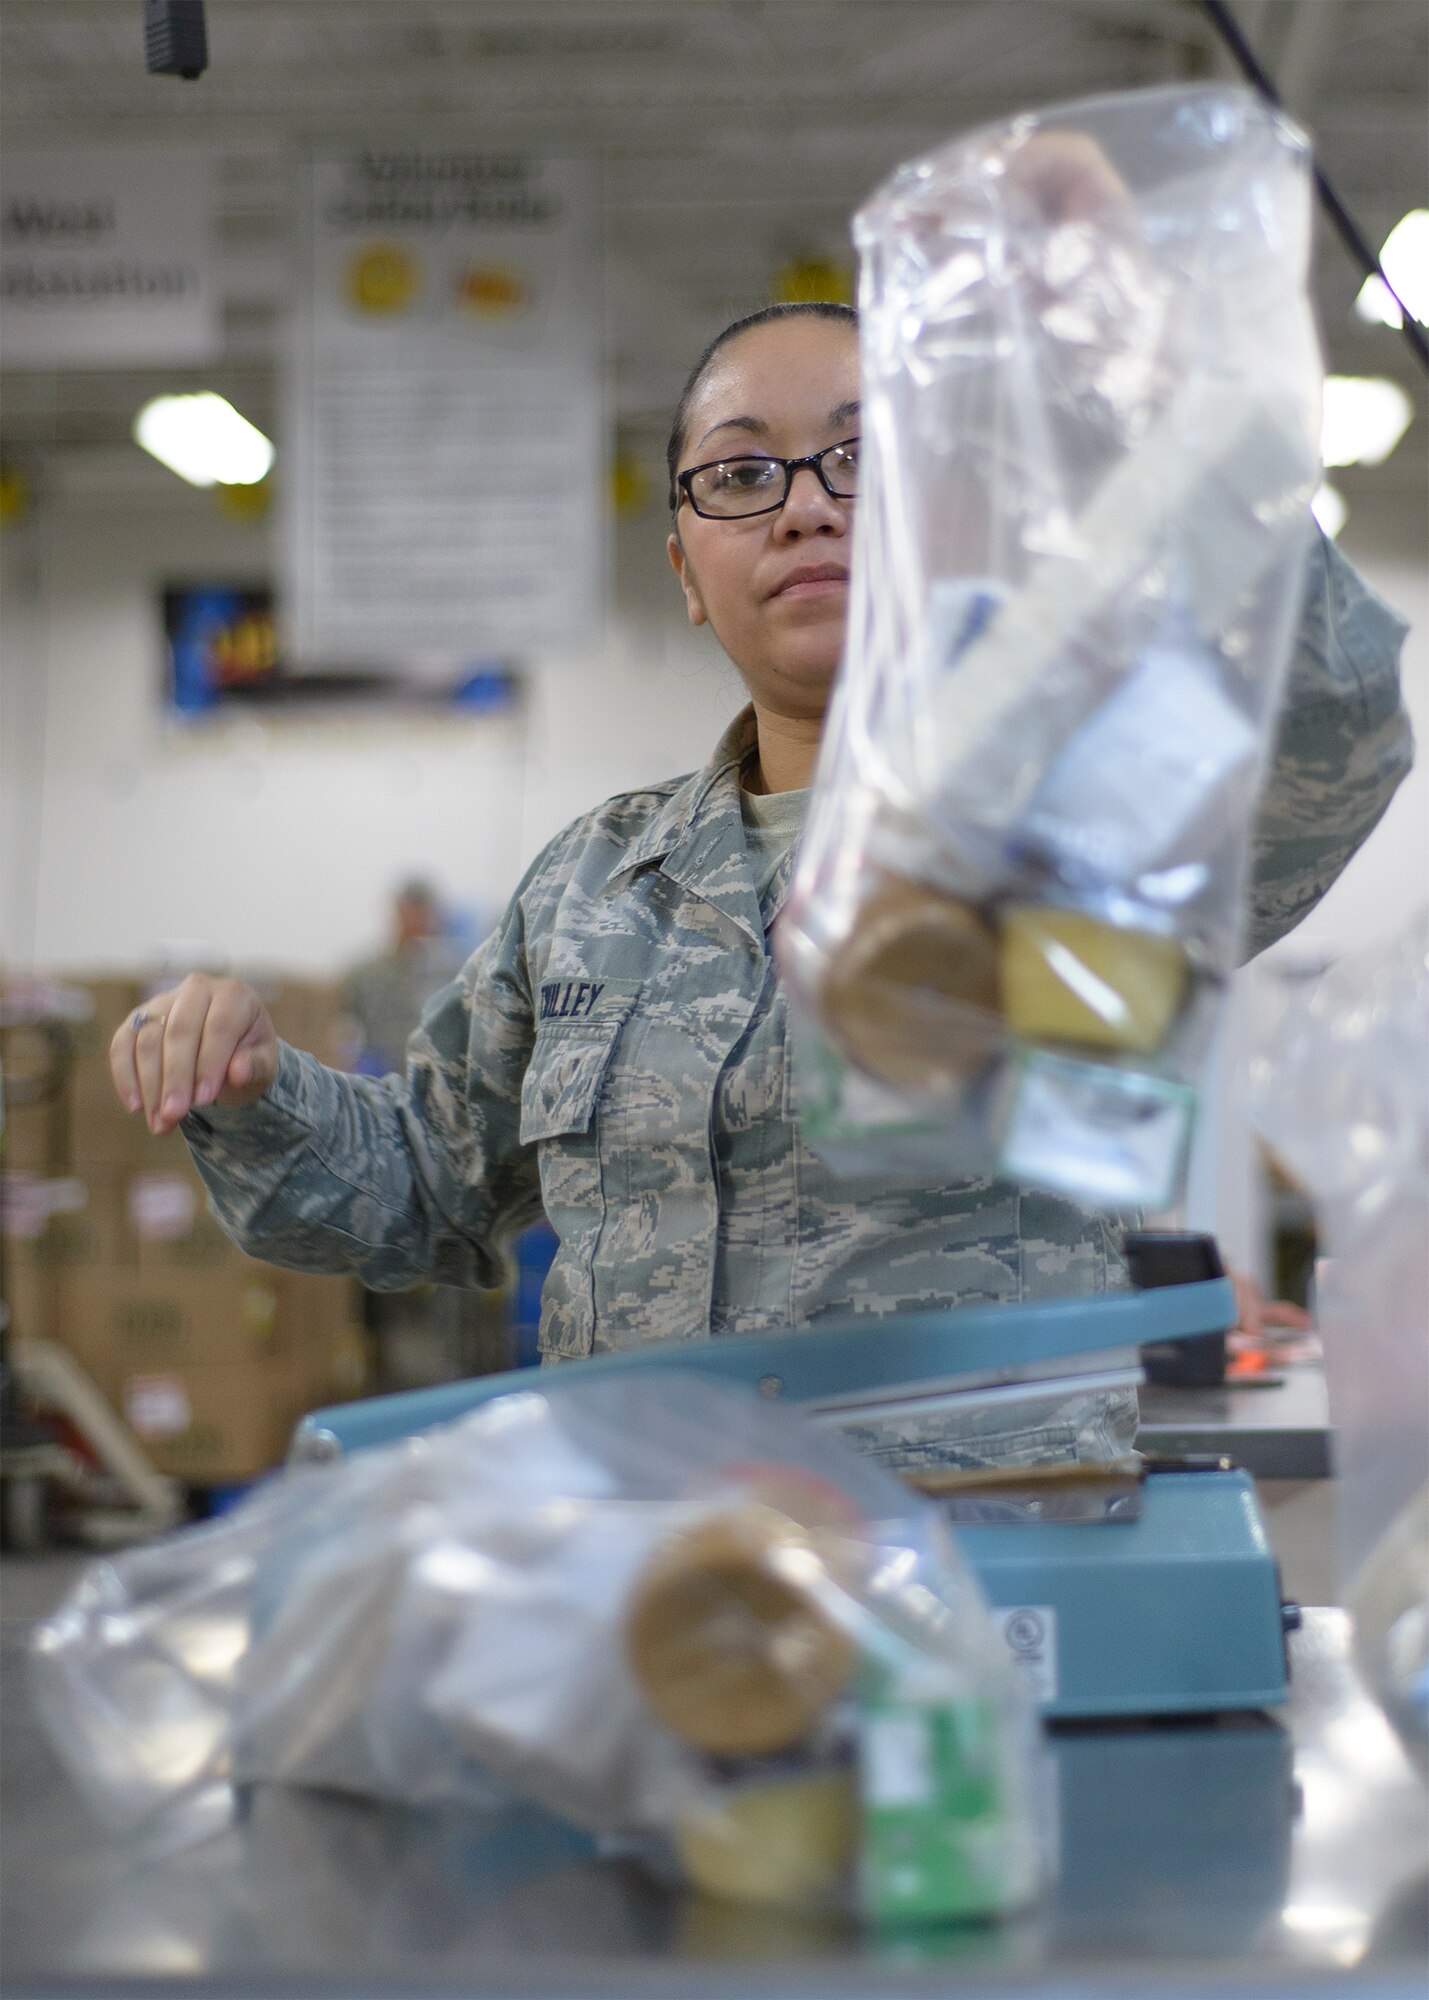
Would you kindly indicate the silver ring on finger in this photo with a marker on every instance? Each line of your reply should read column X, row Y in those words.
column 141, row 1018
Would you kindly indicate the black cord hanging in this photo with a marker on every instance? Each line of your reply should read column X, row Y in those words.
column 1351, row 235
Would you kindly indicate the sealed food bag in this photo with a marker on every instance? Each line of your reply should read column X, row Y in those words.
column 677, row 1616
column 1090, row 434
column 1343, row 1097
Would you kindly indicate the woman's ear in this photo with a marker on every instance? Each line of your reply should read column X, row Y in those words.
column 680, row 564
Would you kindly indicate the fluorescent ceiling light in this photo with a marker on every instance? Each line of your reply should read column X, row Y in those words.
column 1405, row 258
column 1329, row 509
column 1365, row 417
column 204, row 440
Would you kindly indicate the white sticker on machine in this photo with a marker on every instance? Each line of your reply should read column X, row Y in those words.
column 1031, row 1634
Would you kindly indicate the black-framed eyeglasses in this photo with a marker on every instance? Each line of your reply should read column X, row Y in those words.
column 730, row 489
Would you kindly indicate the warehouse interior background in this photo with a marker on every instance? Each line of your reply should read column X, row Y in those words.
column 728, row 143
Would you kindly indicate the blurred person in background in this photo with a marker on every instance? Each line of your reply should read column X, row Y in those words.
column 431, row 1333
column 383, row 996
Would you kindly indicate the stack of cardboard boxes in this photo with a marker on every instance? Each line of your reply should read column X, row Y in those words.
column 111, row 1250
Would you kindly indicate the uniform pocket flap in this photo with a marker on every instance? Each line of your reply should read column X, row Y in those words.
column 568, row 1064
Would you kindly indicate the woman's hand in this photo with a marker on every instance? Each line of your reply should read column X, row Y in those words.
column 208, row 1041
column 1070, row 178
column 1255, row 1315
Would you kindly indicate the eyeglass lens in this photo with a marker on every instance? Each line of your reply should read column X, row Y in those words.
column 738, row 486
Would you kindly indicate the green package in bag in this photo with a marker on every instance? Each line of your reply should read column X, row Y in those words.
column 934, row 1840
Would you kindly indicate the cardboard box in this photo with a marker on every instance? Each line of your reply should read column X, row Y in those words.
column 37, row 1137
column 212, row 1370
column 316, row 1303
column 341, row 1368
column 322, row 1330
column 119, row 1323
column 30, row 1296
column 120, row 1139
column 123, row 1144
column 211, row 1426
column 308, row 1014
column 69, row 1224
column 170, row 1226
column 93, row 1234
column 36, row 1099
column 101, row 1130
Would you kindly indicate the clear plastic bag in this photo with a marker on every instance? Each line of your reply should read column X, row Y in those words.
column 664, row 1610
column 1090, row 433
column 1344, row 1100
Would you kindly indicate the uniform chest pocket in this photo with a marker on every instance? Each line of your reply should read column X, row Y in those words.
column 561, row 1112
column 568, row 1065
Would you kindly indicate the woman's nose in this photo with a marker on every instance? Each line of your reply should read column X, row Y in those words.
column 809, row 508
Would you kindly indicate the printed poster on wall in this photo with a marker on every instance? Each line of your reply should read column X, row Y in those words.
column 106, row 257
column 444, row 472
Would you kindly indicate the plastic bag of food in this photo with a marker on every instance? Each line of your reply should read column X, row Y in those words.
column 665, row 1610
column 1090, row 433
column 1343, row 1098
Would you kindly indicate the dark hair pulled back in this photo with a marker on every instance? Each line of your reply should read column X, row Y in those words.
column 805, row 309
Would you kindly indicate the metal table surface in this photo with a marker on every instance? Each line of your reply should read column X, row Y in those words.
column 1245, row 1856
column 1277, row 1429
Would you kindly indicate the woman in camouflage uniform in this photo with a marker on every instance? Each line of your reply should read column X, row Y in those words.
column 617, row 1051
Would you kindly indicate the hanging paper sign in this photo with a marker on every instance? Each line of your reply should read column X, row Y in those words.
column 106, row 257
column 446, row 436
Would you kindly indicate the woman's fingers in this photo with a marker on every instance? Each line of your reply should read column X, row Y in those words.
column 236, row 1034
column 224, row 1027
column 254, row 1064
column 1282, row 1312
column 208, row 1041
column 183, row 1031
column 122, row 1066
column 145, row 1029
column 1069, row 176
column 1255, row 1313
column 1249, row 1304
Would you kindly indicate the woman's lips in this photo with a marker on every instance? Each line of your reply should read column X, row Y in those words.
column 819, row 584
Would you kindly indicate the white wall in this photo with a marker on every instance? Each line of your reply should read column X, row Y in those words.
column 277, row 841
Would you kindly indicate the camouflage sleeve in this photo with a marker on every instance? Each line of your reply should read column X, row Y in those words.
column 1344, row 744
column 399, row 1181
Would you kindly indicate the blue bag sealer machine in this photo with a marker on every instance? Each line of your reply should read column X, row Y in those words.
column 1122, row 1591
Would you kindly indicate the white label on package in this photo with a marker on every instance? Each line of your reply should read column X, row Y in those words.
column 1031, row 1634
column 1101, row 1134
column 156, row 1406
column 24, row 1205
column 897, row 1771
column 67, row 1196
column 1159, row 761
column 27, row 1202
column 161, row 1206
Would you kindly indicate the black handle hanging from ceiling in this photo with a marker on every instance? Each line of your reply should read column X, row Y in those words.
column 1351, row 235
column 175, row 38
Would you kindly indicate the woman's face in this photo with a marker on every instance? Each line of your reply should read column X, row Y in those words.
column 774, row 587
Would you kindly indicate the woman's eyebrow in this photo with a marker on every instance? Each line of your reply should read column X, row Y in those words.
column 842, row 413
column 755, row 424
